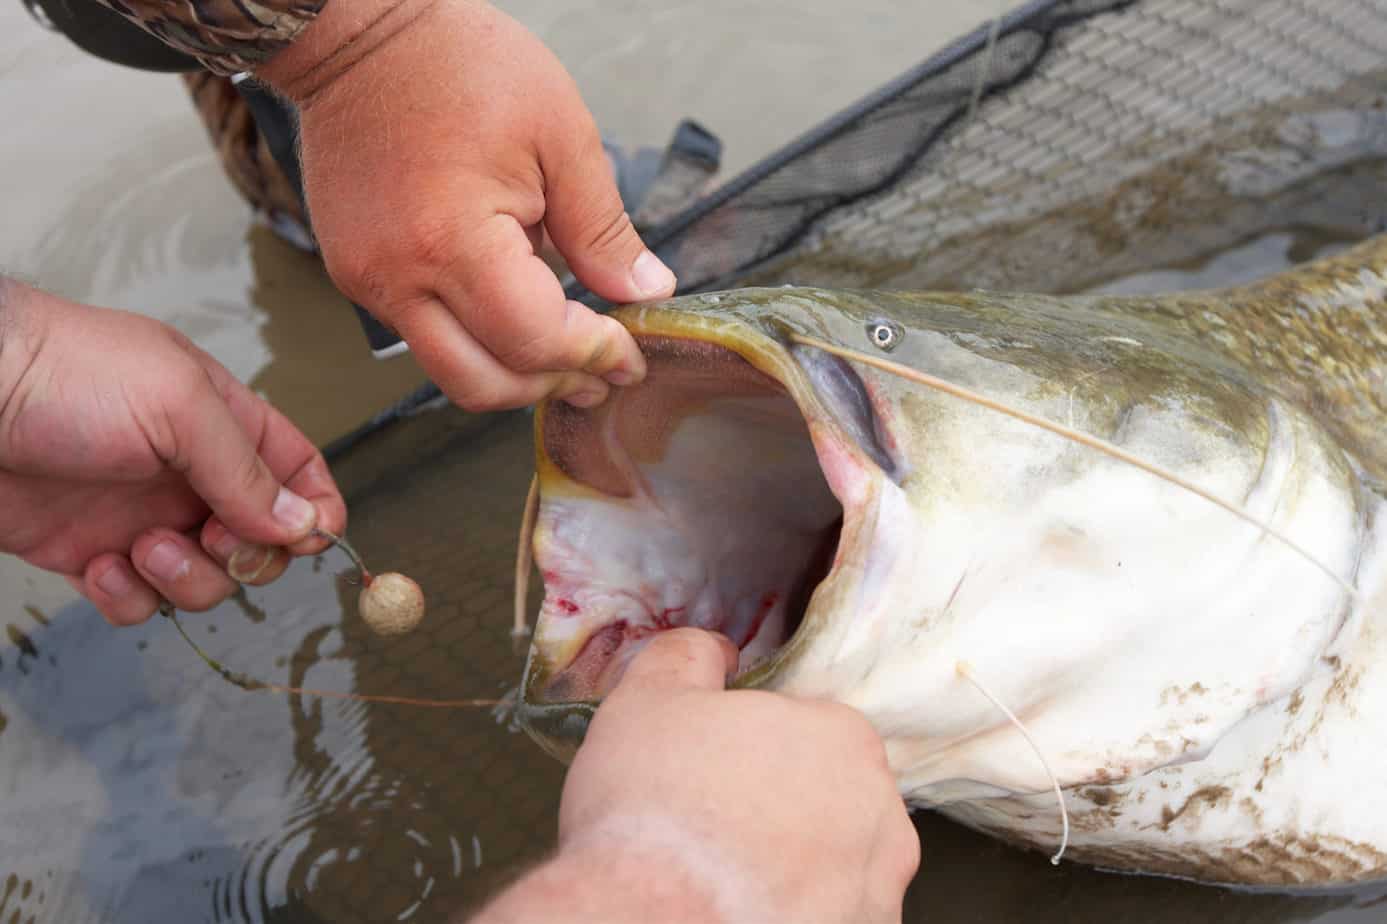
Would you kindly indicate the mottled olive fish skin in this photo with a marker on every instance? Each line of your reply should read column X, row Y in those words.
column 1214, row 708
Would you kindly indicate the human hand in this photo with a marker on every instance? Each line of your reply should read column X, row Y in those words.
column 118, row 438
column 689, row 802
column 440, row 141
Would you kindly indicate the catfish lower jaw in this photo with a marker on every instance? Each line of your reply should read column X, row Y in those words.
column 557, row 727
column 697, row 498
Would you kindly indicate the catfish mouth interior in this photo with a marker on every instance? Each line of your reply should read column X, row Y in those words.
column 705, row 504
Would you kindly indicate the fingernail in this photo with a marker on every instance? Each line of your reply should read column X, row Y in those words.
column 651, row 276
column 293, row 512
column 167, row 562
column 114, row 582
column 585, row 399
column 248, row 562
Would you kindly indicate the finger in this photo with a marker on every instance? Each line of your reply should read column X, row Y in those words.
column 221, row 463
column 246, row 562
column 855, row 731
column 681, row 658
column 472, row 378
column 908, row 857
column 121, row 595
column 896, row 858
column 315, row 483
column 291, row 457
column 512, row 303
column 177, row 567
column 587, row 221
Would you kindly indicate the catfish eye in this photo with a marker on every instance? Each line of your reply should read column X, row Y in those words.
column 884, row 335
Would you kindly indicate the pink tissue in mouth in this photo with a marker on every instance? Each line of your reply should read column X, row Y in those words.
column 596, row 669
column 606, row 654
column 683, row 376
column 717, row 514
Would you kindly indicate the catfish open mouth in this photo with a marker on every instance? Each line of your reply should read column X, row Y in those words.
column 701, row 497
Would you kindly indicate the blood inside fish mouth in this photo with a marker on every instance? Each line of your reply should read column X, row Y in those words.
column 698, row 498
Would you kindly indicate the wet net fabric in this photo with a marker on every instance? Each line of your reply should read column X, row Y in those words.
column 1109, row 137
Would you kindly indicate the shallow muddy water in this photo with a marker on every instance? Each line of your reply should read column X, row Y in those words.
column 138, row 786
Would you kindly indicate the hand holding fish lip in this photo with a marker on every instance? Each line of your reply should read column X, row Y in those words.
column 430, row 204
column 135, row 465
column 709, row 804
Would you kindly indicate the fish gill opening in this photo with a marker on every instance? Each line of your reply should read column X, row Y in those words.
column 713, row 511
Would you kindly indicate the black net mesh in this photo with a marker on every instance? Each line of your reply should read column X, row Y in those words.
column 1110, row 139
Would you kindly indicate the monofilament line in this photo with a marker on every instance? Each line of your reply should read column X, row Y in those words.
column 985, row 71
column 1077, row 436
column 252, row 684
column 966, row 673
column 341, row 542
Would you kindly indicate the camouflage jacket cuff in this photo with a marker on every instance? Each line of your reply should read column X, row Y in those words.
column 226, row 36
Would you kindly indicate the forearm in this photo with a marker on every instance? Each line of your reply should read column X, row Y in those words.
column 577, row 891
column 17, row 346
column 634, row 877
column 345, row 33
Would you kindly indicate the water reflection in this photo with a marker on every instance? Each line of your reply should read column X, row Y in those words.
column 320, row 372
column 150, row 789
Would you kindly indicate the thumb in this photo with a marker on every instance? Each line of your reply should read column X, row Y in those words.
column 683, row 657
column 224, row 467
column 587, row 222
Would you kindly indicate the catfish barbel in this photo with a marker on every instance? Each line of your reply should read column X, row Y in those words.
column 1186, row 614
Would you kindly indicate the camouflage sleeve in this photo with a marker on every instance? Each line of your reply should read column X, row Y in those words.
column 227, row 36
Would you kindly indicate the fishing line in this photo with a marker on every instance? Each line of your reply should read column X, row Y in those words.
column 1077, row 436
column 986, row 68
column 966, row 673
column 251, row 684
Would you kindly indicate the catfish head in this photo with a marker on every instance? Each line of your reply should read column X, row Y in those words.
column 867, row 539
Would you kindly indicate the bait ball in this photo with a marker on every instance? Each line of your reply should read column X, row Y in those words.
column 391, row 604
